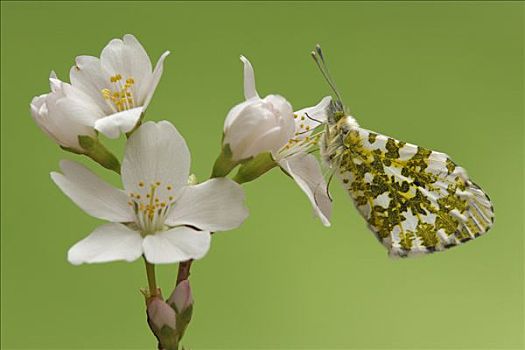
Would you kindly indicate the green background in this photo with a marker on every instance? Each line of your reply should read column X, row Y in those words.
column 448, row 76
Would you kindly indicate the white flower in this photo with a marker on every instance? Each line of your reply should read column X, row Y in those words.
column 111, row 92
column 258, row 124
column 63, row 114
column 302, row 166
column 159, row 214
column 297, row 135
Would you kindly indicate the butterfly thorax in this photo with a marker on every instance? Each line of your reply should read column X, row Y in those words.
column 338, row 127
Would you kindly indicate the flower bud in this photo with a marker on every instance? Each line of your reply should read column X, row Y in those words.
column 181, row 296
column 160, row 313
column 257, row 125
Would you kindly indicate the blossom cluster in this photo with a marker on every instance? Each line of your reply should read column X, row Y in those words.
column 162, row 213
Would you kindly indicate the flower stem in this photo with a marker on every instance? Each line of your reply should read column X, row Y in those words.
column 95, row 150
column 184, row 271
column 152, row 282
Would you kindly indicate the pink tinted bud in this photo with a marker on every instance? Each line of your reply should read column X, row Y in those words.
column 160, row 313
column 181, row 296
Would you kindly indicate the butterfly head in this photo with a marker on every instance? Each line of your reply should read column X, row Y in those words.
column 336, row 112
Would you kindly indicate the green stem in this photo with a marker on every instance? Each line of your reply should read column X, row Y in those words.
column 224, row 163
column 254, row 168
column 95, row 150
column 152, row 282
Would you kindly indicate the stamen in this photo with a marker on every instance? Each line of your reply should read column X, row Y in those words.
column 151, row 211
column 119, row 98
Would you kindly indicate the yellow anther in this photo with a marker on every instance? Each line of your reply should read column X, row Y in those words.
column 138, row 196
column 169, row 188
column 163, row 204
column 141, row 183
column 308, row 127
column 302, row 118
column 170, row 198
column 115, row 78
column 121, row 98
column 157, row 183
column 295, row 116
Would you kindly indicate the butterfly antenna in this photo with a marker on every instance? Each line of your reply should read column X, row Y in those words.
column 328, row 187
column 318, row 57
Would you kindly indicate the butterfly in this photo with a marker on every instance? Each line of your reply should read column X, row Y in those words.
column 415, row 200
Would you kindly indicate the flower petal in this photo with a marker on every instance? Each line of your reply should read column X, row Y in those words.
column 54, row 82
column 110, row 242
column 175, row 245
column 250, row 90
column 149, row 89
column 307, row 119
column 40, row 115
column 77, row 105
column 88, row 76
column 269, row 141
column 156, row 153
column 95, row 196
column 126, row 57
column 214, row 205
column 305, row 170
column 122, row 122
column 258, row 125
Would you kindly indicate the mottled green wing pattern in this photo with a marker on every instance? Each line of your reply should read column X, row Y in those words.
column 415, row 200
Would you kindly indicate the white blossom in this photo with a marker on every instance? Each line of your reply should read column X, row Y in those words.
column 268, row 125
column 108, row 94
column 158, row 214
column 258, row 124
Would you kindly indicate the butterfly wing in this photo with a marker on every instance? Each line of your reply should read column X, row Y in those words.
column 415, row 200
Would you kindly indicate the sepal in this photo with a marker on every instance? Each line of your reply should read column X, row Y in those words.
column 224, row 163
column 255, row 167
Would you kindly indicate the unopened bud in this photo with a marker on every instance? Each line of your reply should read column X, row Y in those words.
column 181, row 296
column 160, row 313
